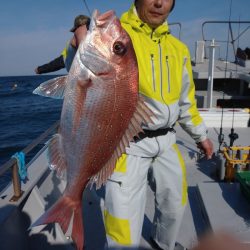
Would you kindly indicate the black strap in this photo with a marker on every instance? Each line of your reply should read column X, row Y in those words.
column 153, row 133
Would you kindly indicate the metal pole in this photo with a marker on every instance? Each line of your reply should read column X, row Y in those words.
column 210, row 75
column 16, row 184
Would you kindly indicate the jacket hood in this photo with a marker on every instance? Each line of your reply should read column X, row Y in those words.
column 131, row 17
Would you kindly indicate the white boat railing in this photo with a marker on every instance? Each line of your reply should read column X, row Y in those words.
column 233, row 39
column 12, row 163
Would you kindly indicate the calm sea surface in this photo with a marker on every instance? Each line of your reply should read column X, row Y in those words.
column 23, row 115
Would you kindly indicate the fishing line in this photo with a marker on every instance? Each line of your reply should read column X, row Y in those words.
column 86, row 5
column 228, row 35
column 238, row 45
column 233, row 136
column 221, row 135
column 233, row 119
column 236, row 67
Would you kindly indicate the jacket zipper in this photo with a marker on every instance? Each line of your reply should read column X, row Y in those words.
column 153, row 70
column 168, row 75
column 152, row 34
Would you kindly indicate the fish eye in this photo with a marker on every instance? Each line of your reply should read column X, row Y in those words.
column 119, row 48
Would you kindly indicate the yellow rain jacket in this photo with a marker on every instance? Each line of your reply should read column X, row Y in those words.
column 165, row 75
column 68, row 54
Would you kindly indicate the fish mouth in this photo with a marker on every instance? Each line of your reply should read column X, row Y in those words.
column 102, row 20
column 93, row 58
column 106, row 16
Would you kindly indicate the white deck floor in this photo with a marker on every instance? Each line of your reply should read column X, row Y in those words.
column 222, row 70
column 197, row 219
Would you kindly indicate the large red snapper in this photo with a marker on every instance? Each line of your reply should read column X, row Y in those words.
column 101, row 114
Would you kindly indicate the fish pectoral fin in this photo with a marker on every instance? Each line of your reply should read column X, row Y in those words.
column 56, row 158
column 142, row 116
column 53, row 88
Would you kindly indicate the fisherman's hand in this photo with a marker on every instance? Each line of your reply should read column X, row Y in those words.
column 220, row 241
column 206, row 147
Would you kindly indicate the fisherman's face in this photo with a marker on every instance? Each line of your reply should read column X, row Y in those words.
column 153, row 12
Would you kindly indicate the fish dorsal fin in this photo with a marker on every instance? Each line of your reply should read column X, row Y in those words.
column 53, row 88
column 56, row 158
column 142, row 116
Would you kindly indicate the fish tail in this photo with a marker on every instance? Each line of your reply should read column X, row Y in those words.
column 62, row 212
column 77, row 230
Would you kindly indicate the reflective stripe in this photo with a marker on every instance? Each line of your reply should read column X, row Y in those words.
column 184, row 178
column 153, row 70
column 160, row 53
column 168, row 75
column 117, row 229
column 121, row 164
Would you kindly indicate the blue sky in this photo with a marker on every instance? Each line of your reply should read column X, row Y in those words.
column 34, row 32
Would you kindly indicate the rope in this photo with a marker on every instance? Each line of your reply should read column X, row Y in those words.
column 22, row 171
column 86, row 5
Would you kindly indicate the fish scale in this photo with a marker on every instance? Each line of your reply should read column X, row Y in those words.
column 102, row 112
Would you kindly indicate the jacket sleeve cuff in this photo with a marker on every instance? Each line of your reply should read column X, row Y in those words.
column 202, row 138
column 198, row 133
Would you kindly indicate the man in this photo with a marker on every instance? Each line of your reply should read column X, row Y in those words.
column 165, row 80
column 81, row 26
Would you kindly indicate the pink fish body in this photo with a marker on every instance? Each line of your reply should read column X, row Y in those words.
column 101, row 114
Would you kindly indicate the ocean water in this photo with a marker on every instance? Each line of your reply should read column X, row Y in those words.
column 23, row 115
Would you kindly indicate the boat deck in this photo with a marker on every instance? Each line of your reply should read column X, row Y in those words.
column 211, row 205
column 230, row 85
column 222, row 70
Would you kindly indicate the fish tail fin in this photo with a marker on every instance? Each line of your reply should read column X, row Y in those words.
column 77, row 230
column 62, row 212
